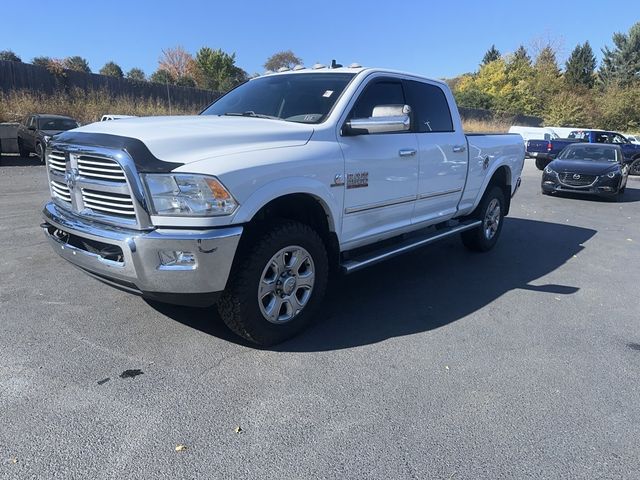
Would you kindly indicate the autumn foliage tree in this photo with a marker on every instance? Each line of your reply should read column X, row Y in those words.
column 283, row 59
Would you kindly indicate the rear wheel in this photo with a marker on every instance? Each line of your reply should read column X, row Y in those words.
column 274, row 292
column 491, row 213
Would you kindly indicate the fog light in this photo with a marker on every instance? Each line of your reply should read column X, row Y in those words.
column 177, row 259
column 607, row 189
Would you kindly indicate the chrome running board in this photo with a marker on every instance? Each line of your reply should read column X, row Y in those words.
column 371, row 258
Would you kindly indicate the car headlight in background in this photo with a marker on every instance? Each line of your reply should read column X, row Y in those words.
column 612, row 174
column 188, row 195
column 47, row 138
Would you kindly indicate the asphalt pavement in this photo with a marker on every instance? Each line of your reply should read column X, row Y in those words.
column 523, row 362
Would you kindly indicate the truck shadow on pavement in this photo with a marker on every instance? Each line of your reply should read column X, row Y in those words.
column 423, row 290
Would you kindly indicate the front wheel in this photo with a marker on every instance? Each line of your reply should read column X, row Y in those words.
column 273, row 293
column 491, row 213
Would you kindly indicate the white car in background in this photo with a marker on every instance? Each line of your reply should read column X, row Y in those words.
column 534, row 133
column 633, row 138
column 115, row 117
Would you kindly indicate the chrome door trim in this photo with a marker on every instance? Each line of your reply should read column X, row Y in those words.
column 422, row 196
column 387, row 203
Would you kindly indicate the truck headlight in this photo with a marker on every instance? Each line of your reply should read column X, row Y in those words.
column 188, row 195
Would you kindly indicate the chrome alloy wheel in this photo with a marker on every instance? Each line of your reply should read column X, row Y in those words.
column 491, row 219
column 286, row 284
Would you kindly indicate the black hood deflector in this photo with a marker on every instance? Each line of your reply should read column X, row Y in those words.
column 143, row 159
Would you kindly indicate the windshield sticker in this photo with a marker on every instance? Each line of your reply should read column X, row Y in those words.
column 327, row 94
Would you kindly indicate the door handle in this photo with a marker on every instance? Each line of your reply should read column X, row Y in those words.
column 407, row 152
column 459, row 148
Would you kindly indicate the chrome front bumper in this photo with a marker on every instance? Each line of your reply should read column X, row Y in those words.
column 139, row 268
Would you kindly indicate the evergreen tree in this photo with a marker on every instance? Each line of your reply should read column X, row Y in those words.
column 41, row 61
column 112, row 69
column 10, row 56
column 580, row 66
column 136, row 74
column 621, row 64
column 77, row 63
column 492, row 55
column 521, row 55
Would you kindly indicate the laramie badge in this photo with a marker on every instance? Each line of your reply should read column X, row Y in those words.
column 357, row 180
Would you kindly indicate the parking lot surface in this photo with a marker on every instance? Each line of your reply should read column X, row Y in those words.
column 520, row 363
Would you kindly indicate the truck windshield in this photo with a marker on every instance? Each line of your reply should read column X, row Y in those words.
column 591, row 152
column 303, row 98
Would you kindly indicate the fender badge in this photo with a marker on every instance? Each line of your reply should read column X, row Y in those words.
column 357, row 180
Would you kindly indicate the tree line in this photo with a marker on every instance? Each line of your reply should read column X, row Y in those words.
column 210, row 69
column 582, row 93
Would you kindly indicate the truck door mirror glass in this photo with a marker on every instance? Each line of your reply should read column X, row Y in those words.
column 384, row 119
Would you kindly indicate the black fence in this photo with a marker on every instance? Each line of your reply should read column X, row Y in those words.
column 491, row 116
column 24, row 76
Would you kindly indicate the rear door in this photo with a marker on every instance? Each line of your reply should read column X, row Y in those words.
column 381, row 170
column 442, row 153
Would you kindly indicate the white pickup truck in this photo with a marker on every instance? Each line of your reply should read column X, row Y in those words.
column 251, row 203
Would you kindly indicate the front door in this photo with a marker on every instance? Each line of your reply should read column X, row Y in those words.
column 381, row 171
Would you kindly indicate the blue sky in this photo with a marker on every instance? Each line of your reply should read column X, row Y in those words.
column 433, row 38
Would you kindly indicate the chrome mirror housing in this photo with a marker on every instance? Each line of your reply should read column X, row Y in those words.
column 384, row 119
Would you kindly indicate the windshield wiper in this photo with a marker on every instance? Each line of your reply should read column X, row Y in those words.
column 250, row 113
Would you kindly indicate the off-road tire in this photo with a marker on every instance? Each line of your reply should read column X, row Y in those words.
column 238, row 306
column 476, row 239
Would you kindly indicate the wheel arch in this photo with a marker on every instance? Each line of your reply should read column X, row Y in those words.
column 303, row 206
column 502, row 178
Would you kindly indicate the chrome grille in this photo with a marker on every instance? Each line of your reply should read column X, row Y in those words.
column 100, row 168
column 61, row 191
column 577, row 179
column 57, row 161
column 108, row 202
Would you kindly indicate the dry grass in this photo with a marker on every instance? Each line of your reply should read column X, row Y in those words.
column 85, row 107
column 88, row 107
column 480, row 126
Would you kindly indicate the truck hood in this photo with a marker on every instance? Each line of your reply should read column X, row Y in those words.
column 187, row 139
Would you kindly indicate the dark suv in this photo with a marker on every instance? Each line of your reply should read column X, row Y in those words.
column 35, row 131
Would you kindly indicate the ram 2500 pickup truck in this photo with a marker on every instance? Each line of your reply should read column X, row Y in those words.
column 544, row 151
column 251, row 203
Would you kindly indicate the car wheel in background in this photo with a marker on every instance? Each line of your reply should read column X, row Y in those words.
column 540, row 164
column 40, row 152
column 634, row 169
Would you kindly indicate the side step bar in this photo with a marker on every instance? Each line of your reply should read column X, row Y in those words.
column 377, row 256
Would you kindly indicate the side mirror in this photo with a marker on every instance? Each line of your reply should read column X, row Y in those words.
column 384, row 119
